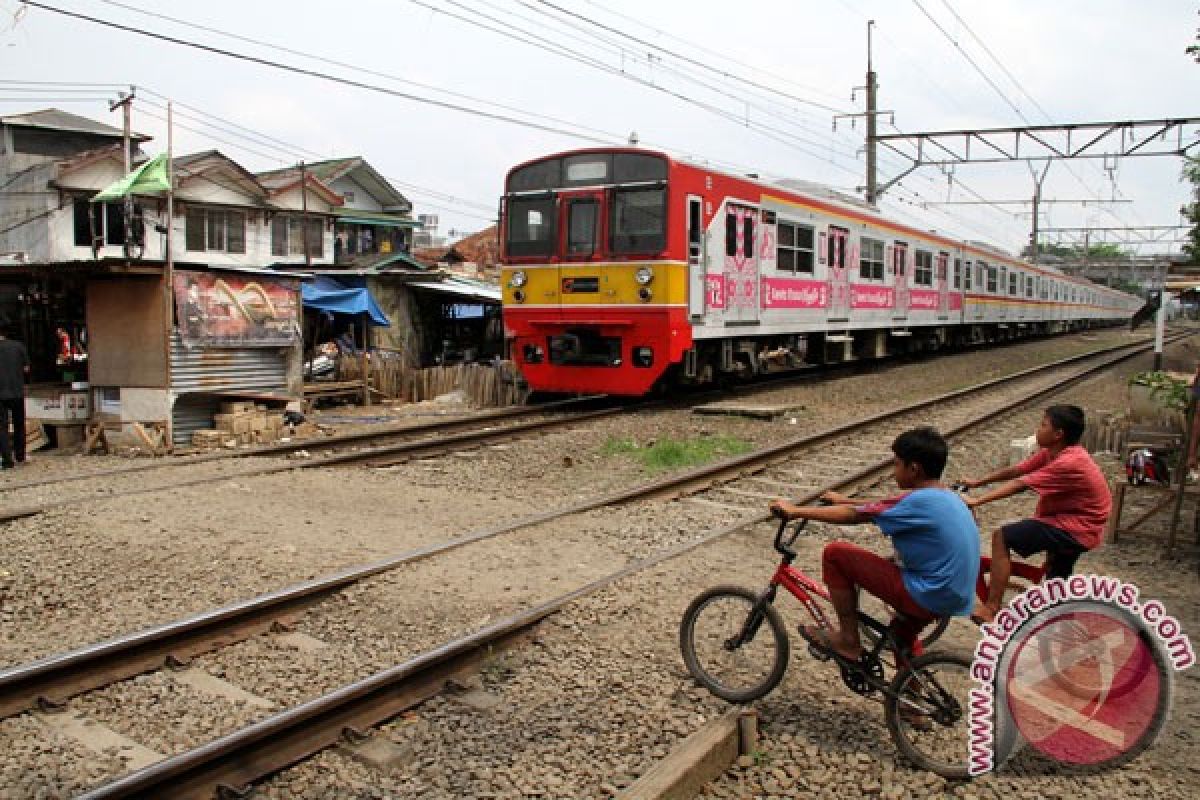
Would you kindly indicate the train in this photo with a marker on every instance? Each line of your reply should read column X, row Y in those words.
column 627, row 271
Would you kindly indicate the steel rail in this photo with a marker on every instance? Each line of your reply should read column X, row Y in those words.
column 337, row 440
column 230, row 764
column 51, row 681
column 393, row 452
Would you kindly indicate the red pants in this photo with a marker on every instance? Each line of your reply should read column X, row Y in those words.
column 845, row 566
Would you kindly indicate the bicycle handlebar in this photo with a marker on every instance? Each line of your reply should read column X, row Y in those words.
column 785, row 546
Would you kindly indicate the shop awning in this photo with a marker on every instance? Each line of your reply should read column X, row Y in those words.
column 326, row 294
column 374, row 218
column 400, row 258
column 461, row 288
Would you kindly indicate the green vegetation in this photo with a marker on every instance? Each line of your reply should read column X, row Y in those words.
column 1191, row 211
column 1166, row 391
column 667, row 453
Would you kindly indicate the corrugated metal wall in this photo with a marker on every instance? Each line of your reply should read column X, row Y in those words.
column 198, row 373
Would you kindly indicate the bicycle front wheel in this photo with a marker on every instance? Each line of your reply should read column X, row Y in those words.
column 734, row 643
column 928, row 713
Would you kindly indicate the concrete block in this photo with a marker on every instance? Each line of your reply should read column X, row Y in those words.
column 378, row 752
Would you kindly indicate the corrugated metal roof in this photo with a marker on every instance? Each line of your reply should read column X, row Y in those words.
column 462, row 288
column 56, row 120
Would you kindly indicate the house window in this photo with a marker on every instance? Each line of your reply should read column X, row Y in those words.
column 215, row 230
column 795, row 251
column 923, row 273
column 105, row 220
column 287, row 237
column 870, row 264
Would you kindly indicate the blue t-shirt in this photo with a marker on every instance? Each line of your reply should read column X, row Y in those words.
column 938, row 543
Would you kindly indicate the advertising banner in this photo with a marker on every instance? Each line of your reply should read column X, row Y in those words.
column 228, row 310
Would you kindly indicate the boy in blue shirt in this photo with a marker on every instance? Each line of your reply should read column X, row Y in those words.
column 935, row 537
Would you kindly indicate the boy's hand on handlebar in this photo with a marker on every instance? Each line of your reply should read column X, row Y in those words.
column 836, row 498
column 967, row 483
column 783, row 509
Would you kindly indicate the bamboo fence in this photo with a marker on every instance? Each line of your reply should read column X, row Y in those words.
column 484, row 385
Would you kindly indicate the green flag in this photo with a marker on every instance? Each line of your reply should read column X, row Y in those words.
column 149, row 178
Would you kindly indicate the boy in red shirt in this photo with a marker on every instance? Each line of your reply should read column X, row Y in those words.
column 1072, row 510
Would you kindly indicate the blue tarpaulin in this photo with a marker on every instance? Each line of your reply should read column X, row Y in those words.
column 326, row 294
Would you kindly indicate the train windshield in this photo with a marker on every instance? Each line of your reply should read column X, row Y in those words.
column 532, row 225
column 626, row 189
column 638, row 222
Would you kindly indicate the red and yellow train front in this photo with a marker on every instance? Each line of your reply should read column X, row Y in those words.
column 594, row 278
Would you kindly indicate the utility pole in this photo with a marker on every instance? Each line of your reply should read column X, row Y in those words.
column 125, row 103
column 872, row 88
column 304, row 214
column 1037, row 199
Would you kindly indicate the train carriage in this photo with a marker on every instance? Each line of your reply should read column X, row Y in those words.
column 625, row 270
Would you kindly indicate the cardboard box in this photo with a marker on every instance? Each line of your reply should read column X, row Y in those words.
column 237, row 407
column 232, row 423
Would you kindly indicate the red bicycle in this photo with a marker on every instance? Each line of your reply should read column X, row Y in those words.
column 735, row 644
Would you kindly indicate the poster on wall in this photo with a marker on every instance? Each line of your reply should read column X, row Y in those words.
column 227, row 310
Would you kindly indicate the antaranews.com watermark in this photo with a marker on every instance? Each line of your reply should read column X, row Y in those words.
column 1079, row 669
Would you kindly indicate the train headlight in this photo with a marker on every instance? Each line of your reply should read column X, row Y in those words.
column 644, row 275
column 518, row 279
column 519, row 296
column 644, row 294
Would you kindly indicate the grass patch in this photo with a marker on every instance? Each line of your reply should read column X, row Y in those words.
column 658, row 455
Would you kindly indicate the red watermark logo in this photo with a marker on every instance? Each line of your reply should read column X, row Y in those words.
column 1076, row 669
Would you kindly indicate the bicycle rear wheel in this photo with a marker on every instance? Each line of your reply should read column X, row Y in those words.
column 928, row 713
column 734, row 643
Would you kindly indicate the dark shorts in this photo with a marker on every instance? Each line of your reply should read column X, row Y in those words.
column 1030, row 536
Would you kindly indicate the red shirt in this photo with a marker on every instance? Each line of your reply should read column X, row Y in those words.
column 1073, row 495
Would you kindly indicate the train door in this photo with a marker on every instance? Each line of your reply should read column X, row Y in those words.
column 696, row 266
column 900, row 275
column 941, row 266
column 741, row 264
column 580, row 224
column 837, row 246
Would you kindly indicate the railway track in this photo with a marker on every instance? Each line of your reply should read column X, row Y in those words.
column 369, row 448
column 734, row 491
column 372, row 448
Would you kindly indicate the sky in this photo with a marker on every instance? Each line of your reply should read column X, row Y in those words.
column 751, row 87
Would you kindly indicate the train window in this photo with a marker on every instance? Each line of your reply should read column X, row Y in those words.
column 958, row 273
column 795, row 250
column 900, row 258
column 542, row 175
column 531, row 226
column 1012, row 283
column 695, row 230
column 1029, row 286
column 592, row 169
column 967, row 275
column 638, row 168
column 731, row 233
column 581, row 227
column 838, row 240
column 992, row 273
column 748, row 236
column 942, row 260
column 871, row 260
column 638, row 221
column 923, row 273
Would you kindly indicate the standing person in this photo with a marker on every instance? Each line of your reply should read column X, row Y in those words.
column 934, row 535
column 1072, row 510
column 14, row 366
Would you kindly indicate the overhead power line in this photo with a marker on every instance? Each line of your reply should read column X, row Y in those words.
column 266, row 62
